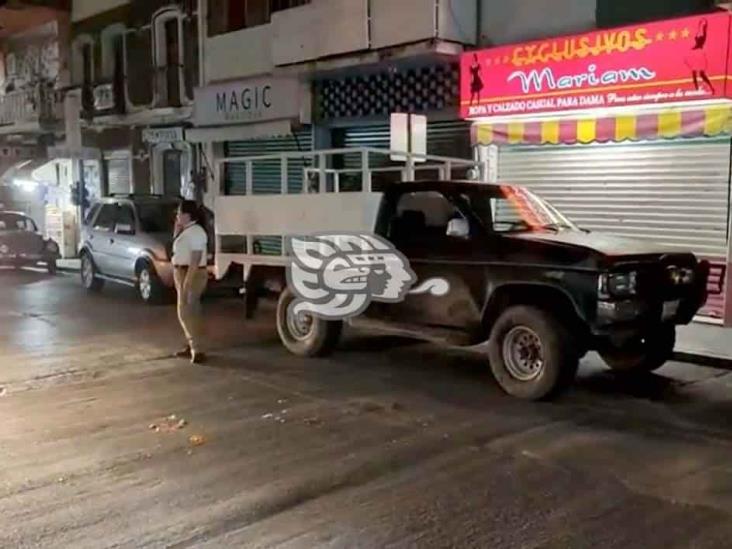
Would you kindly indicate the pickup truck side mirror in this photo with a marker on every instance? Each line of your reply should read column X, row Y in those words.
column 124, row 229
column 458, row 228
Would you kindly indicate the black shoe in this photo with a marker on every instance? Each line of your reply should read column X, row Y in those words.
column 198, row 358
column 183, row 353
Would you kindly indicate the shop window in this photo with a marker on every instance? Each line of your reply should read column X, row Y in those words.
column 231, row 15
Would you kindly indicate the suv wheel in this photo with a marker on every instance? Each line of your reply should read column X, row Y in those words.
column 644, row 354
column 530, row 354
column 89, row 278
column 305, row 334
column 149, row 286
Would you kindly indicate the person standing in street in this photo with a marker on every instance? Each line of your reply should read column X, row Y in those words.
column 191, row 276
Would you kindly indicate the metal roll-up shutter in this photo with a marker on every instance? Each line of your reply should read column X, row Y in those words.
column 119, row 180
column 449, row 138
column 266, row 174
column 674, row 193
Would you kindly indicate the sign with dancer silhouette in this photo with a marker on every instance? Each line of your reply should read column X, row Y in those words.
column 677, row 60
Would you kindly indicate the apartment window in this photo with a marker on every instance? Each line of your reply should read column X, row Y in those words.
column 613, row 13
column 113, row 45
column 83, row 60
column 169, row 57
column 231, row 15
column 87, row 63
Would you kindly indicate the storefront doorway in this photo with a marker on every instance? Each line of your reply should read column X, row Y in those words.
column 172, row 172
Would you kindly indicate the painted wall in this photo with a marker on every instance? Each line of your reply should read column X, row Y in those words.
column 33, row 56
column 239, row 54
column 511, row 21
column 82, row 9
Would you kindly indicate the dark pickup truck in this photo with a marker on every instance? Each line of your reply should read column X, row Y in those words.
column 540, row 290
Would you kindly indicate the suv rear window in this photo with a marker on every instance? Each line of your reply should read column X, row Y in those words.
column 91, row 212
column 157, row 218
column 106, row 218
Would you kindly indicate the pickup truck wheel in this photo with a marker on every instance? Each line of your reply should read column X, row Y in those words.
column 644, row 354
column 88, row 272
column 530, row 354
column 149, row 286
column 304, row 334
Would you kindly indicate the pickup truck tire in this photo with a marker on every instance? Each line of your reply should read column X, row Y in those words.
column 88, row 272
column 309, row 336
column 531, row 355
column 645, row 354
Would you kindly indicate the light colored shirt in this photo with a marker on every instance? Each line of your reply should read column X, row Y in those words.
column 193, row 238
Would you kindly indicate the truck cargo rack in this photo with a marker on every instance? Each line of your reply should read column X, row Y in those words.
column 299, row 193
column 319, row 175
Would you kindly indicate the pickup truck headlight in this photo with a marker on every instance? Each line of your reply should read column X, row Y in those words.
column 681, row 275
column 618, row 284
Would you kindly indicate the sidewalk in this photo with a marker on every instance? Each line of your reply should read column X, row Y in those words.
column 73, row 265
column 705, row 344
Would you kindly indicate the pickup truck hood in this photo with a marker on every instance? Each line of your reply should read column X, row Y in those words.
column 608, row 245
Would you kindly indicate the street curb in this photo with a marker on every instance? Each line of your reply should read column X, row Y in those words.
column 719, row 362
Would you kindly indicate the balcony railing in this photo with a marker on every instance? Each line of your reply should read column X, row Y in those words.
column 103, row 98
column 39, row 104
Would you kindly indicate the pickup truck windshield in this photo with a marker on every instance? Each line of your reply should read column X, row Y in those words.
column 507, row 209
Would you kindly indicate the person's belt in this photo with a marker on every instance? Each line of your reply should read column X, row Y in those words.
column 186, row 267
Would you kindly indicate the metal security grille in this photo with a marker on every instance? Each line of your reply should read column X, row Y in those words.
column 450, row 138
column 415, row 89
column 674, row 193
column 267, row 175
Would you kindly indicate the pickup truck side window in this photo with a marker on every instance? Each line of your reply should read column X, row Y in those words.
column 421, row 217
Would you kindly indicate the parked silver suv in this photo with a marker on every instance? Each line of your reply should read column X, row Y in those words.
column 127, row 240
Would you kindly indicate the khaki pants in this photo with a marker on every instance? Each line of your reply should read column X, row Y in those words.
column 189, row 306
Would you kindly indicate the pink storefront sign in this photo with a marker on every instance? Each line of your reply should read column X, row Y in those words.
column 679, row 60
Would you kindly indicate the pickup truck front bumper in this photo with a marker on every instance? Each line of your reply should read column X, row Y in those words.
column 642, row 313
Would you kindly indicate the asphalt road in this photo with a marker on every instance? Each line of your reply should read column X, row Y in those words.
column 389, row 443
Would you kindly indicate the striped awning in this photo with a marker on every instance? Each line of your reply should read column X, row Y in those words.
column 662, row 124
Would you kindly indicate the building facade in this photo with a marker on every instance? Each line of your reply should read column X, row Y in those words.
column 34, row 39
column 134, row 66
column 626, row 129
column 328, row 74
